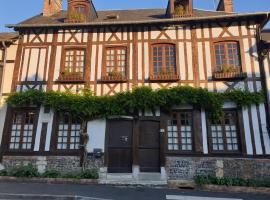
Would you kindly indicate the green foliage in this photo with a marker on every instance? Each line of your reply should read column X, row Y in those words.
column 87, row 106
column 228, row 181
column 51, row 174
column 28, row 171
column 3, row 172
column 90, row 174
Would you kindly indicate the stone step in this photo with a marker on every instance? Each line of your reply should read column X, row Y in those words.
column 144, row 179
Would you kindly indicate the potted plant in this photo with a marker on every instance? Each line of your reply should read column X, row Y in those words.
column 71, row 76
column 114, row 76
column 229, row 72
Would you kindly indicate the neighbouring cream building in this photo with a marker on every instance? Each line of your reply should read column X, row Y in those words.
column 115, row 50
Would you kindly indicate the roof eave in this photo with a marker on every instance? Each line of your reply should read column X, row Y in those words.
column 172, row 20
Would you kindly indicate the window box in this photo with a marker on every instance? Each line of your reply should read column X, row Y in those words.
column 71, row 77
column 229, row 75
column 113, row 79
column 164, row 77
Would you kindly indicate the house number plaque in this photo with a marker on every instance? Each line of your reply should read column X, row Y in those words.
column 124, row 138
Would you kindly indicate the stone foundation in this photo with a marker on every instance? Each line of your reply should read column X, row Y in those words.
column 60, row 163
column 185, row 168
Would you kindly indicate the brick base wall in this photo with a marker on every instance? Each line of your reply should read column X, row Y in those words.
column 185, row 168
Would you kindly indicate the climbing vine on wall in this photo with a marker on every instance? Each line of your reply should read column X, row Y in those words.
column 88, row 106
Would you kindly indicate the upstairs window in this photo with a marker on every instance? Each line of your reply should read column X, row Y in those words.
column 164, row 63
column 68, row 133
column 223, row 134
column 115, row 63
column 73, row 66
column 179, row 131
column 22, row 131
column 227, row 57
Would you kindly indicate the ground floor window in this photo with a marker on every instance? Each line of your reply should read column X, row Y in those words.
column 68, row 133
column 22, row 130
column 179, row 130
column 223, row 134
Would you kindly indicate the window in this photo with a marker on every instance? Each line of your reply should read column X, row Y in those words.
column 227, row 57
column 224, row 133
column 164, row 61
column 22, row 131
column 116, row 61
column 80, row 9
column 73, row 65
column 74, row 61
column 68, row 133
column 179, row 130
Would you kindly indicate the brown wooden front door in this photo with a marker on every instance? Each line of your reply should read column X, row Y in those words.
column 120, row 146
column 149, row 146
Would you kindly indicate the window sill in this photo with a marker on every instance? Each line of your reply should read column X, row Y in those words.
column 108, row 79
column 164, row 78
column 229, row 76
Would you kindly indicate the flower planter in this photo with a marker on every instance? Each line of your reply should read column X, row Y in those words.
column 77, row 77
column 164, row 77
column 113, row 79
column 229, row 75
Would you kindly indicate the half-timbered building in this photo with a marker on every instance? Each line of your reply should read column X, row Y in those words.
column 116, row 50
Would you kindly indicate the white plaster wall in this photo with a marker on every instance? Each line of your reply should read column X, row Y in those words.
column 3, row 110
column 96, row 131
column 44, row 118
column 247, row 131
column 204, row 132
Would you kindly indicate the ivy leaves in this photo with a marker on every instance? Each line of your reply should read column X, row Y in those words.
column 87, row 106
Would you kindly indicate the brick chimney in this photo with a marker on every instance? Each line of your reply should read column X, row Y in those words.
column 52, row 7
column 225, row 5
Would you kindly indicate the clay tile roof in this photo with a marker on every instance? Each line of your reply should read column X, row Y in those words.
column 8, row 36
column 266, row 35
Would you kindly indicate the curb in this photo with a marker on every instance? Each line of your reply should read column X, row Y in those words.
column 49, row 180
column 43, row 197
column 235, row 189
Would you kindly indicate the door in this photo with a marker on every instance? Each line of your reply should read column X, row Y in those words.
column 149, row 146
column 120, row 146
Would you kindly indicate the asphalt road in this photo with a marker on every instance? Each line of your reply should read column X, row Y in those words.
column 105, row 192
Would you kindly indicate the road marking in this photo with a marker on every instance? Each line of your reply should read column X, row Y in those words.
column 177, row 197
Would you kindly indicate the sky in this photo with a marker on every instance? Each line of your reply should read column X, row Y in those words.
column 14, row 11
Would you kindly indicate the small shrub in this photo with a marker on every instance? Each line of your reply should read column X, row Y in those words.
column 228, row 181
column 51, row 174
column 3, row 172
column 73, row 175
column 90, row 174
column 28, row 171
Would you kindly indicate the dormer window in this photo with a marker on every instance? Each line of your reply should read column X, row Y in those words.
column 80, row 11
column 179, row 8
